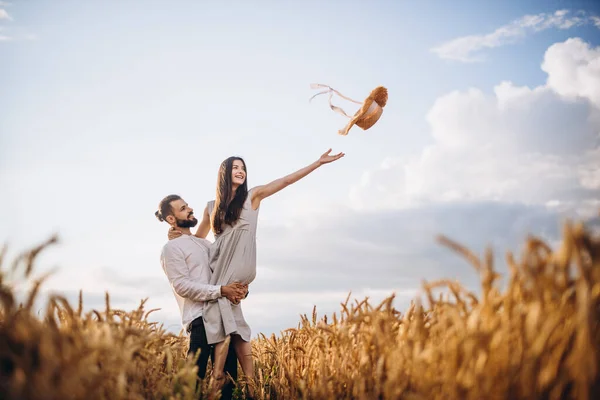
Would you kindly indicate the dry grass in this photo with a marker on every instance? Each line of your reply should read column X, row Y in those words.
column 107, row 354
column 537, row 338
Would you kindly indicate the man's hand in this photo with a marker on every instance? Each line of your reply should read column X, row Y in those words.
column 245, row 293
column 234, row 292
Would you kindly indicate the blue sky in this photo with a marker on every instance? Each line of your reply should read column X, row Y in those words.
column 107, row 107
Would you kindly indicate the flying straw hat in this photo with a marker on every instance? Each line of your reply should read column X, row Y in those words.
column 369, row 113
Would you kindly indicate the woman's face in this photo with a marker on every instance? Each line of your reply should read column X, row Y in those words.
column 238, row 173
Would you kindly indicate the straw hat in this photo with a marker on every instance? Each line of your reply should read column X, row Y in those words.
column 369, row 113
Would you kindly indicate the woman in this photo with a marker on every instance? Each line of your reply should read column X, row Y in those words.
column 233, row 218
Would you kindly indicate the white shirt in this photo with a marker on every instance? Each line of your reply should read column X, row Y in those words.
column 185, row 262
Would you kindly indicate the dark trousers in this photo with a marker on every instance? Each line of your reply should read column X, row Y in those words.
column 198, row 341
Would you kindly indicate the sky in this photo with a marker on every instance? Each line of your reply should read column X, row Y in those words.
column 490, row 134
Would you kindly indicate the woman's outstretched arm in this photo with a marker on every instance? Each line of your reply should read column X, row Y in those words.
column 260, row 193
column 204, row 226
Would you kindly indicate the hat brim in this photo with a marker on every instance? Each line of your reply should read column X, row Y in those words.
column 370, row 117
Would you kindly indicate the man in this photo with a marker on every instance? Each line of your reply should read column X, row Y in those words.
column 185, row 262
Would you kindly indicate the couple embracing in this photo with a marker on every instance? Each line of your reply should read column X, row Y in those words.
column 210, row 280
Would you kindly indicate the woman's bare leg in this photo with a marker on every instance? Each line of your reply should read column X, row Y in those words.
column 221, row 350
column 243, row 350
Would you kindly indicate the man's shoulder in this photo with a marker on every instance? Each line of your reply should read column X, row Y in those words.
column 173, row 244
column 181, row 242
column 202, row 241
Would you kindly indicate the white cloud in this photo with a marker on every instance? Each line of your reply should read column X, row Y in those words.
column 12, row 34
column 463, row 48
column 4, row 15
column 519, row 144
column 573, row 69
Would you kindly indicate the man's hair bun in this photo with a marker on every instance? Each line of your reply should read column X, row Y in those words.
column 164, row 207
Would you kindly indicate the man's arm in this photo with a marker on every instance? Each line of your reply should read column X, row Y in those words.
column 174, row 265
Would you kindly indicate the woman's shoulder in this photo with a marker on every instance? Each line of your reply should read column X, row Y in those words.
column 248, row 202
column 253, row 190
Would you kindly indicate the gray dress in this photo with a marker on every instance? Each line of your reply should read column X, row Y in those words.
column 232, row 258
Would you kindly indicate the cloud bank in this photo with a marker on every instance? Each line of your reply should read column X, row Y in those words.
column 535, row 146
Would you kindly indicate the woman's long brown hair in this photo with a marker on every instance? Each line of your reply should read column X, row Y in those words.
column 224, row 213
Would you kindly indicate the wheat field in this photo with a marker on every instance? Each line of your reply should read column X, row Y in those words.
column 536, row 338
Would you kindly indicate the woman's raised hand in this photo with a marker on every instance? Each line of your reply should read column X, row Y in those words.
column 173, row 233
column 326, row 158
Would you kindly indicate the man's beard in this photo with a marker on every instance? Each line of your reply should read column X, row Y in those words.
column 186, row 223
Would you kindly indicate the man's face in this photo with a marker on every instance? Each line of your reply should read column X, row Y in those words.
column 183, row 215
